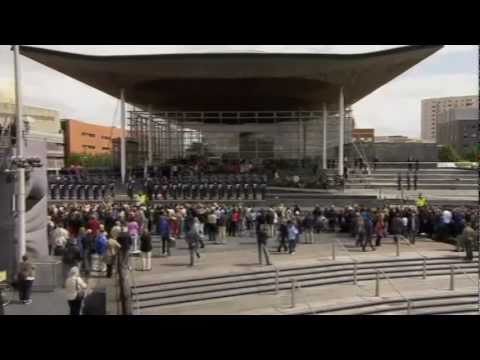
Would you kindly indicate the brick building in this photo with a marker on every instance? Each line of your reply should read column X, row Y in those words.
column 364, row 135
column 85, row 138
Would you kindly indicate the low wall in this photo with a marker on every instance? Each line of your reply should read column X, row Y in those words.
column 393, row 152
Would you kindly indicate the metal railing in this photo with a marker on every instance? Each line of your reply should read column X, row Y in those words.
column 377, row 283
column 133, row 291
column 408, row 302
column 453, row 273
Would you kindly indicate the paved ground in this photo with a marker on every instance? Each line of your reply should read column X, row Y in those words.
column 240, row 255
column 392, row 194
column 48, row 303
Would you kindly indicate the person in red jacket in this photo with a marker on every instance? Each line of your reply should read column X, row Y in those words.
column 94, row 225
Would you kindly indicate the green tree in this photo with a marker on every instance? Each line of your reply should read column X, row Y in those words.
column 89, row 160
column 448, row 154
column 471, row 155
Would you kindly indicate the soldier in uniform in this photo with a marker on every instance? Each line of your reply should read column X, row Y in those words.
column 156, row 189
column 165, row 190
column 415, row 181
column 103, row 189
column 254, row 189
column 221, row 191
column 130, row 188
column 61, row 188
column 229, row 191
column 408, row 181
column 399, row 181
column 185, row 190
column 112, row 187
column 201, row 190
column 173, row 190
column 95, row 189
column 71, row 190
column 211, row 191
column 86, row 189
column 246, row 190
column 237, row 190
column 79, row 191
column 194, row 190
column 53, row 190
column 263, row 190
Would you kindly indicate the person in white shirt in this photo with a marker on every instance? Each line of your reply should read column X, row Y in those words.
column 447, row 217
column 60, row 238
column 75, row 289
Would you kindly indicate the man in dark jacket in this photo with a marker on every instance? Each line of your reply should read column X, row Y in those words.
column 397, row 227
column 283, row 230
column 262, row 238
column 413, row 226
column 125, row 241
column 193, row 239
column 308, row 223
column 146, row 250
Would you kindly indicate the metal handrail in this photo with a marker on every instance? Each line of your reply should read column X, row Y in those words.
column 134, row 287
column 475, row 283
column 390, row 281
column 355, row 261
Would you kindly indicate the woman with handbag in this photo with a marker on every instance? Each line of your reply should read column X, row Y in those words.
column 75, row 291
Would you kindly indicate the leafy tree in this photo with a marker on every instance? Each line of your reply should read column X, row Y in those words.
column 89, row 160
column 471, row 155
column 449, row 154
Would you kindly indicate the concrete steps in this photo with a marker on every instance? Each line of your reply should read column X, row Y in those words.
column 428, row 179
column 454, row 303
column 233, row 285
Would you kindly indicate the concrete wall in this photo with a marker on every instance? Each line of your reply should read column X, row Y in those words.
column 392, row 152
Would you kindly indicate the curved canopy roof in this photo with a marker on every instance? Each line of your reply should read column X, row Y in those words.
column 235, row 81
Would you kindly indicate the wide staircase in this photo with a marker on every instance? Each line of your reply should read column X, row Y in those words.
column 428, row 179
column 191, row 291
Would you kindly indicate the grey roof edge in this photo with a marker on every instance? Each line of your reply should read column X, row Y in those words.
column 388, row 52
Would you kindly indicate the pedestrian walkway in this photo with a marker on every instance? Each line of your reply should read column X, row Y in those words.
column 240, row 255
column 49, row 303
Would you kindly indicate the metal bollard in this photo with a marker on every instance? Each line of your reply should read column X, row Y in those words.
column 277, row 275
column 355, row 269
column 424, row 268
column 293, row 293
column 334, row 251
column 409, row 308
column 452, row 278
column 377, row 285
column 398, row 248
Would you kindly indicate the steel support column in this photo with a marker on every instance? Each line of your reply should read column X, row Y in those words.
column 325, row 119
column 21, row 228
column 342, row 133
column 123, row 147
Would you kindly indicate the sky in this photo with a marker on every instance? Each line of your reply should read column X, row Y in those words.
column 394, row 109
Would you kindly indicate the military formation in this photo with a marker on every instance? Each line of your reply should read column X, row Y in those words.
column 78, row 187
column 204, row 187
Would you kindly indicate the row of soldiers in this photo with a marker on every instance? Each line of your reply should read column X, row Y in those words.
column 408, row 179
column 201, row 189
column 73, row 187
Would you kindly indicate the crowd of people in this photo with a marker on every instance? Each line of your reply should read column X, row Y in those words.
column 92, row 237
